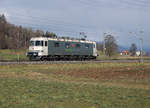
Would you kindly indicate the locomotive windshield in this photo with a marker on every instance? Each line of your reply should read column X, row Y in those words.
column 37, row 43
column 31, row 43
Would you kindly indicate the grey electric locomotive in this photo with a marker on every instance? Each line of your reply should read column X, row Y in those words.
column 43, row 48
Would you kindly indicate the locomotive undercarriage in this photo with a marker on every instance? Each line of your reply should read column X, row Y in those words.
column 60, row 57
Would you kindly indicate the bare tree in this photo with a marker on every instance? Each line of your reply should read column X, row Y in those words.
column 3, row 19
column 39, row 33
column 133, row 49
column 111, row 47
column 50, row 34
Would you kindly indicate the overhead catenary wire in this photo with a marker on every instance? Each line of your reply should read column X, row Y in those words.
column 64, row 26
column 116, row 3
column 50, row 24
column 49, row 21
column 55, row 29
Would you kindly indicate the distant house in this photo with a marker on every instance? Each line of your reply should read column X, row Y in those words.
column 124, row 52
column 138, row 53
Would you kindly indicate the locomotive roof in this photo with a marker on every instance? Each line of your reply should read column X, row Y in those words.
column 61, row 39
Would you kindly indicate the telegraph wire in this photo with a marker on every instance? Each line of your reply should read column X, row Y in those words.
column 49, row 25
column 53, row 29
column 54, row 26
column 120, row 3
column 49, row 20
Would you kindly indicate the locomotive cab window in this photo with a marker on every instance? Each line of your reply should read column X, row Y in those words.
column 31, row 43
column 42, row 43
column 56, row 44
column 37, row 43
column 93, row 45
column 45, row 43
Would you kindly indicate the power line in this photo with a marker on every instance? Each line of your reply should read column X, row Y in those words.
column 54, row 29
column 41, row 23
column 51, row 21
column 136, row 3
column 127, row 3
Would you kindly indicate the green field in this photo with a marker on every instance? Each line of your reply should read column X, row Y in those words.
column 119, row 57
column 101, row 85
column 13, row 54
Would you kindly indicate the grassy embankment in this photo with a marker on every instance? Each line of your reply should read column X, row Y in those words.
column 13, row 54
column 118, row 57
column 102, row 85
column 20, row 55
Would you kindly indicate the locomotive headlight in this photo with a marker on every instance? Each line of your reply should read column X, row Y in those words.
column 40, row 51
column 34, row 54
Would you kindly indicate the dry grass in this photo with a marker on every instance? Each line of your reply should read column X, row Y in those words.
column 94, row 85
column 117, row 73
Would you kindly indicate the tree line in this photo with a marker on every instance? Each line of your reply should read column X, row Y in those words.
column 17, row 37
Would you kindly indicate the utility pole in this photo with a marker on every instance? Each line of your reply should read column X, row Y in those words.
column 18, row 45
column 141, row 44
column 104, row 46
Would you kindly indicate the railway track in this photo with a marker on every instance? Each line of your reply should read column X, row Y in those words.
column 69, row 62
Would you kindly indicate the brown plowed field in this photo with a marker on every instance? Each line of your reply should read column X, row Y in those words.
column 110, row 73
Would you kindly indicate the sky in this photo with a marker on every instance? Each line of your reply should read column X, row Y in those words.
column 124, row 19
